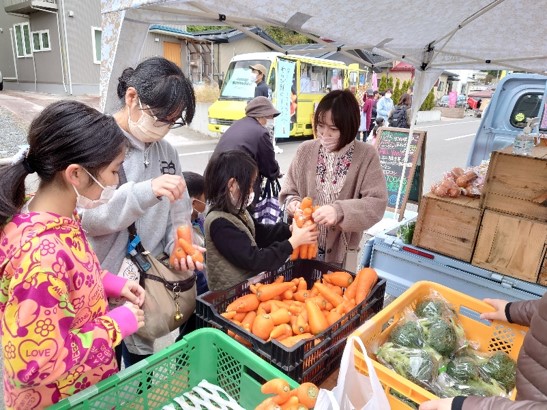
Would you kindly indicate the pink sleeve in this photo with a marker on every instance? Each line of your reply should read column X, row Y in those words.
column 125, row 319
column 113, row 284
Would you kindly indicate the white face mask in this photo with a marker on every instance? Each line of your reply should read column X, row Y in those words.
column 84, row 202
column 253, row 77
column 145, row 128
column 250, row 199
column 388, row 95
column 270, row 123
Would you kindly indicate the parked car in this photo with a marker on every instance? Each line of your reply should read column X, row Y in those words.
column 460, row 102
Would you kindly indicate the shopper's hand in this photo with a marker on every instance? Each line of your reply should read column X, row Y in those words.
column 499, row 313
column 302, row 236
column 138, row 312
column 441, row 404
column 292, row 207
column 170, row 186
column 325, row 215
column 133, row 292
column 188, row 263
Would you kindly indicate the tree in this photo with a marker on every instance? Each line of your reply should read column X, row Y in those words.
column 390, row 83
column 397, row 92
column 429, row 102
column 286, row 37
column 197, row 29
column 382, row 87
column 404, row 87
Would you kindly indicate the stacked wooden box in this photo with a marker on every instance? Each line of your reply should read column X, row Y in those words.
column 505, row 230
column 513, row 234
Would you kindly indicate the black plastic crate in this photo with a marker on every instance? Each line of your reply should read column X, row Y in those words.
column 312, row 360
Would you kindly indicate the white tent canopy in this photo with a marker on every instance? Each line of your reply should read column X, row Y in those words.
column 432, row 35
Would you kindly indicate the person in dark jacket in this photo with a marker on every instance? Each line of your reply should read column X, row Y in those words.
column 531, row 363
column 259, row 76
column 250, row 134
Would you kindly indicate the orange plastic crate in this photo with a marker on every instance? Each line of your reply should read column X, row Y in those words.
column 507, row 337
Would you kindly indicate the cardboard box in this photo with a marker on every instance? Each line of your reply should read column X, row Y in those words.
column 517, row 184
column 448, row 225
column 511, row 245
column 542, row 280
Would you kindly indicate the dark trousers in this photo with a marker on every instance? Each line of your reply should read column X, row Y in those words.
column 129, row 358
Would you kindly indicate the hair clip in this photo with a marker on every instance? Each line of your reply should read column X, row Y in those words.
column 20, row 155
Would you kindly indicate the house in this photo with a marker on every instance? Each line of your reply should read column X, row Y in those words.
column 51, row 45
column 446, row 83
column 54, row 46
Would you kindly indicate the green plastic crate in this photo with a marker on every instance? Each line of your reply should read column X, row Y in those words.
column 203, row 354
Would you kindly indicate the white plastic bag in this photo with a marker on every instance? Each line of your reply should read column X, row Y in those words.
column 354, row 391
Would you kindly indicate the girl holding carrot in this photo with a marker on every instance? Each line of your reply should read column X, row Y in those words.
column 237, row 246
column 342, row 175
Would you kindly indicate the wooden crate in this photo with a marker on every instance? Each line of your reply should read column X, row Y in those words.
column 517, row 184
column 448, row 225
column 511, row 245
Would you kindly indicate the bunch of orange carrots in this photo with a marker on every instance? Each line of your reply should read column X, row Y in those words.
column 183, row 246
column 303, row 217
column 289, row 312
column 301, row 398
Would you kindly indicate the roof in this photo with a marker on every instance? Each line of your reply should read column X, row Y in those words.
column 402, row 66
column 229, row 35
column 174, row 32
column 318, row 51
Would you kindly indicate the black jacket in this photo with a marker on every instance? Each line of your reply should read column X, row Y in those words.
column 248, row 135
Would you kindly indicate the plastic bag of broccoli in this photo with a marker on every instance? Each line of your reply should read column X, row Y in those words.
column 447, row 386
column 407, row 332
column 498, row 366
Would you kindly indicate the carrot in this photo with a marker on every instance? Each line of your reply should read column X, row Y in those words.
column 281, row 332
column 295, row 309
column 268, row 404
column 329, row 294
column 352, row 288
column 280, row 316
column 301, row 295
column 336, row 289
column 295, row 253
column 318, row 322
column 333, row 316
column 244, row 303
column 196, row 255
column 312, row 251
column 304, row 251
column 228, row 315
column 288, row 294
column 279, row 279
column 239, row 316
column 339, row 278
column 307, row 202
column 367, row 279
column 301, row 324
column 276, row 386
column 291, row 341
column 247, row 321
column 262, row 326
column 242, row 340
column 270, row 291
column 319, row 301
column 290, row 404
column 185, row 232
column 307, row 394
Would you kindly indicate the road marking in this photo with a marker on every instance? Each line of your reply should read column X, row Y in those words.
column 450, row 123
column 195, row 153
column 459, row 137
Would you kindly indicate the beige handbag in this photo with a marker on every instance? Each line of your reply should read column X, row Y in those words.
column 170, row 294
column 351, row 258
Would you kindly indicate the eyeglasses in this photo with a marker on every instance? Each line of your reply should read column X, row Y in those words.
column 163, row 122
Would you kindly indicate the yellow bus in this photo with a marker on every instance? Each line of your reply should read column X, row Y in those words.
column 309, row 79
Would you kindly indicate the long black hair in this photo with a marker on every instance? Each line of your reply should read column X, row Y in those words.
column 345, row 114
column 223, row 166
column 162, row 86
column 64, row 133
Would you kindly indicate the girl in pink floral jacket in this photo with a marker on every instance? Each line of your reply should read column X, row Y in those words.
column 57, row 332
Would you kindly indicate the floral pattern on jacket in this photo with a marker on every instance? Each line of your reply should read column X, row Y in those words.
column 56, row 336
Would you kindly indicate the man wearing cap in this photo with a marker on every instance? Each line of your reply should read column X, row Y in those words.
column 258, row 74
column 251, row 134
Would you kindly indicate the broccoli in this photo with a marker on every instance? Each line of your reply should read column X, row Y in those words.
column 430, row 308
column 404, row 399
column 501, row 368
column 414, row 364
column 479, row 387
column 408, row 334
column 447, row 386
column 439, row 335
column 463, row 368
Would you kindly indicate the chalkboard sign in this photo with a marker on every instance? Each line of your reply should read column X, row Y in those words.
column 399, row 155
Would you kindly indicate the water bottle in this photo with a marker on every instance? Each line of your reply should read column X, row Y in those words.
column 525, row 141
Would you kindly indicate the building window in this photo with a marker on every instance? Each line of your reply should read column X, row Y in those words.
column 40, row 41
column 22, row 40
column 96, row 34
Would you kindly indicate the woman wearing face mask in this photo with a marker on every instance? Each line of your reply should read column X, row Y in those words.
column 251, row 134
column 237, row 247
column 384, row 107
column 57, row 332
column 156, row 97
column 340, row 174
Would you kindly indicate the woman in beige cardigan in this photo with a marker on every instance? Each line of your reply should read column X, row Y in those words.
column 342, row 175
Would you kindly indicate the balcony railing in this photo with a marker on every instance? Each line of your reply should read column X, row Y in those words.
column 29, row 6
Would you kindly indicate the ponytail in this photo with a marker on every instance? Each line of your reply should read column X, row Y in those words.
column 12, row 190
